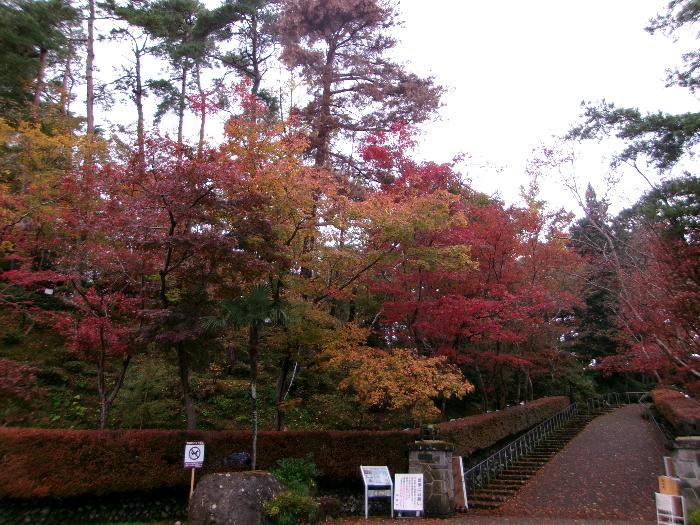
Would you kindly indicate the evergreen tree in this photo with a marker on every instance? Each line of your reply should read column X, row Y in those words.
column 32, row 33
column 592, row 237
column 342, row 48
column 660, row 137
column 184, row 29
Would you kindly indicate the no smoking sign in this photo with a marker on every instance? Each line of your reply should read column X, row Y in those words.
column 194, row 454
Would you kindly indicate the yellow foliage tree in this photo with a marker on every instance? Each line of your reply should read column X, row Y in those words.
column 394, row 380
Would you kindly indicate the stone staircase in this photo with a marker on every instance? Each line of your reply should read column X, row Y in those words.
column 511, row 479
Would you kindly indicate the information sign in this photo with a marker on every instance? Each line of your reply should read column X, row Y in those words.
column 378, row 484
column 194, row 454
column 669, row 485
column 670, row 510
column 408, row 493
column 376, row 476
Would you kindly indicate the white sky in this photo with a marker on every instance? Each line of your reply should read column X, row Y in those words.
column 518, row 71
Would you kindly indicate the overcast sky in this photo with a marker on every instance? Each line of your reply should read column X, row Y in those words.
column 517, row 72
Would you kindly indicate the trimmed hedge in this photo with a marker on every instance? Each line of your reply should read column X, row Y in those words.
column 39, row 463
column 682, row 412
column 474, row 433
column 65, row 463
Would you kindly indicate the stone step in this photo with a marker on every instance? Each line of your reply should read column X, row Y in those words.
column 486, row 495
column 523, row 471
column 535, row 464
column 489, row 491
column 516, row 484
column 512, row 476
column 510, row 480
column 483, row 504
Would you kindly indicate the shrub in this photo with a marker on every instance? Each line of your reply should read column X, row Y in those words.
column 18, row 380
column 694, row 517
column 473, row 433
column 290, row 508
column 681, row 411
column 11, row 337
column 119, row 461
column 297, row 474
column 330, row 506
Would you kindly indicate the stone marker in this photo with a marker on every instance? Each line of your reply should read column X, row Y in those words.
column 686, row 461
column 234, row 498
column 433, row 458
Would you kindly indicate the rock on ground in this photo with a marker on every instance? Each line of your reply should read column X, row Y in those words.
column 234, row 498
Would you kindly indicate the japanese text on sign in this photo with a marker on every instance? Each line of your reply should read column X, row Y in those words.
column 408, row 492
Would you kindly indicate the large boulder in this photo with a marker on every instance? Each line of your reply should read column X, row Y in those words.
column 233, row 498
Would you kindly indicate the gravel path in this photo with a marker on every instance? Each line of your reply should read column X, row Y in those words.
column 608, row 471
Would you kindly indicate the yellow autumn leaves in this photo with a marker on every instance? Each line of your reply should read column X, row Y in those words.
column 393, row 380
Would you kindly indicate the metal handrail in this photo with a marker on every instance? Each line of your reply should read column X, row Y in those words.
column 481, row 474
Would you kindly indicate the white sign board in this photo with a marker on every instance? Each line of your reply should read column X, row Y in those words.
column 194, row 454
column 376, row 476
column 408, row 493
column 670, row 510
column 378, row 484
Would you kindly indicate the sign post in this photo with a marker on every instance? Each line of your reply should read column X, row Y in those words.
column 194, row 459
column 378, row 484
column 460, row 485
column 408, row 494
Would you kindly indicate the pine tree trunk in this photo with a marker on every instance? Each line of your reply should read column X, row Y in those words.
column 253, row 342
column 138, row 99
column 184, row 370
column 203, row 118
column 482, row 390
column 257, row 77
column 89, row 66
column 40, row 81
column 181, row 107
column 65, row 99
column 281, row 381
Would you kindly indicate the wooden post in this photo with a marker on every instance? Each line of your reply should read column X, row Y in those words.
column 192, row 483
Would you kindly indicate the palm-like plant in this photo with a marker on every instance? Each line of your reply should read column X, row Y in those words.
column 259, row 307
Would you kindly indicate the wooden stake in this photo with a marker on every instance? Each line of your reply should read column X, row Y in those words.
column 192, row 484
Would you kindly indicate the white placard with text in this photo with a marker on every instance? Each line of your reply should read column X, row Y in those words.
column 408, row 493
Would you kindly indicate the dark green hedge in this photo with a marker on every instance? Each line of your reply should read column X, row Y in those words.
column 38, row 463
column 682, row 412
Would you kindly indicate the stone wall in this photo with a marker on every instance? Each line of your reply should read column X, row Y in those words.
column 127, row 508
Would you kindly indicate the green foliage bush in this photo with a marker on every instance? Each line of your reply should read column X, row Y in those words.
column 694, row 517
column 290, row 508
column 297, row 474
column 11, row 337
column 149, row 397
